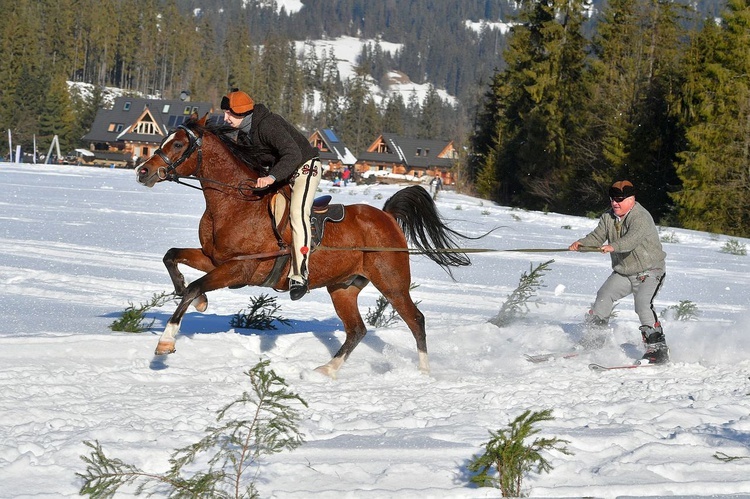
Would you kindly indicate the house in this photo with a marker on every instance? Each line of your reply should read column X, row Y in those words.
column 411, row 157
column 135, row 127
column 334, row 155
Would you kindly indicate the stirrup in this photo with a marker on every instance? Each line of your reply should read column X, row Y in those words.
column 297, row 289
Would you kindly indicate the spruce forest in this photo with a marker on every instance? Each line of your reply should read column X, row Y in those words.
column 547, row 114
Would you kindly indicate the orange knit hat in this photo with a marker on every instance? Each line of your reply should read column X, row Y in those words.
column 237, row 102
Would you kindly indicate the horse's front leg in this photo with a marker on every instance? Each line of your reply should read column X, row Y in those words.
column 228, row 274
column 192, row 257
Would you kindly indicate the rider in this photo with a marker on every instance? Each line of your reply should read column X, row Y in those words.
column 289, row 157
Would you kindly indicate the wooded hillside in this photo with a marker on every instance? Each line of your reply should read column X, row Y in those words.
column 548, row 113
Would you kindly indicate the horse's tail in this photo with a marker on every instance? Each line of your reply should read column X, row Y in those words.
column 418, row 217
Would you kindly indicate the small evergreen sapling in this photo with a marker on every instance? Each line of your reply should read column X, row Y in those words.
column 132, row 318
column 683, row 311
column 516, row 306
column 261, row 314
column 507, row 458
column 257, row 424
column 734, row 247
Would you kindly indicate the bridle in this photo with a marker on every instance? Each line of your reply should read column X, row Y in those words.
column 195, row 142
column 170, row 172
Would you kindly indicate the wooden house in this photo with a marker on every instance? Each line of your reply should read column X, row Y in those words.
column 134, row 127
column 406, row 156
column 334, row 155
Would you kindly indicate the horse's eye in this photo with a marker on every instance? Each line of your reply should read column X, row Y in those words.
column 178, row 144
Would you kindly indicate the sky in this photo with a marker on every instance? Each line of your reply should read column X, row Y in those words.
column 78, row 245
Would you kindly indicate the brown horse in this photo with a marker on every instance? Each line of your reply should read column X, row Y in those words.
column 240, row 244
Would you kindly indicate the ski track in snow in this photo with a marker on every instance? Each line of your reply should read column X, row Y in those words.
column 79, row 244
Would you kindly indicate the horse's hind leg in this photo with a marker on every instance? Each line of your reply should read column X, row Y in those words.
column 344, row 300
column 403, row 304
column 395, row 288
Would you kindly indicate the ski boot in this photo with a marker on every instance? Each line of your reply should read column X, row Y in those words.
column 657, row 351
column 594, row 332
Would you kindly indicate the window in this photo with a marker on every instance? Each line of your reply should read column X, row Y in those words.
column 146, row 128
column 426, row 152
column 111, row 127
column 187, row 110
column 419, row 151
column 165, row 109
column 118, row 128
column 195, row 109
column 144, row 152
column 126, row 106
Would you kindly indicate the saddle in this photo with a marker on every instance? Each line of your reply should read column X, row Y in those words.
column 322, row 212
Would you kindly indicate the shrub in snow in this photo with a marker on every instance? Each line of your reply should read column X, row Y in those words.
column 132, row 318
column 507, row 458
column 734, row 247
column 260, row 314
column 683, row 311
column 256, row 424
column 516, row 306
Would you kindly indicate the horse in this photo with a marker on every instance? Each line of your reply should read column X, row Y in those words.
column 240, row 244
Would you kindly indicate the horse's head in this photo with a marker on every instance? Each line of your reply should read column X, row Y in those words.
column 179, row 155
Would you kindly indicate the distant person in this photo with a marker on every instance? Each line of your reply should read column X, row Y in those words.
column 628, row 233
column 438, row 184
column 346, row 175
column 290, row 158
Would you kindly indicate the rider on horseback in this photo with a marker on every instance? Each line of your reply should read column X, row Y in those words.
column 289, row 157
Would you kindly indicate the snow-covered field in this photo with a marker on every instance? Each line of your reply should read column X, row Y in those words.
column 79, row 244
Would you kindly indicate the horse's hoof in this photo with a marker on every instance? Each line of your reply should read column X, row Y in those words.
column 326, row 371
column 201, row 303
column 164, row 348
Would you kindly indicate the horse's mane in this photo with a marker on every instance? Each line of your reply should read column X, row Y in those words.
column 247, row 154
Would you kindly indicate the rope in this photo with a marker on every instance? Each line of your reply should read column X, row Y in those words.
column 414, row 251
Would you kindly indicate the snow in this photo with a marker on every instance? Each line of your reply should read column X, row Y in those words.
column 479, row 26
column 347, row 49
column 291, row 6
column 79, row 244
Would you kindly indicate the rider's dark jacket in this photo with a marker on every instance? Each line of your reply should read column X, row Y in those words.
column 281, row 148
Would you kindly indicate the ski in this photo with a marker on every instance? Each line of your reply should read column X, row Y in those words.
column 544, row 357
column 600, row 368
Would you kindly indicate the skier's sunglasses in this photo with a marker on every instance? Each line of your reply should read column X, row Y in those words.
column 619, row 199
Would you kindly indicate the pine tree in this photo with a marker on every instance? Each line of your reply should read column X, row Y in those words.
column 634, row 76
column 714, row 169
column 535, row 100
column 430, row 122
column 57, row 116
column 329, row 83
column 240, row 58
column 393, row 117
column 353, row 130
column 294, row 88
